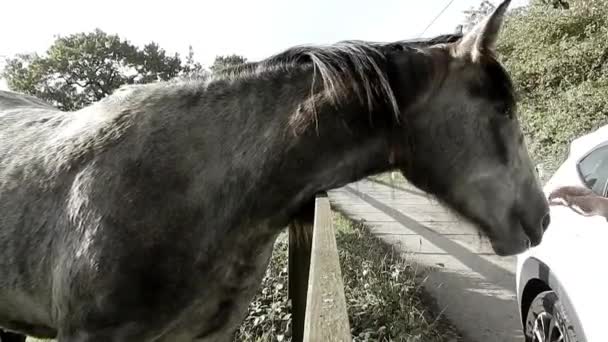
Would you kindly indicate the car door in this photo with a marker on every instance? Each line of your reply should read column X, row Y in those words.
column 579, row 244
column 586, row 251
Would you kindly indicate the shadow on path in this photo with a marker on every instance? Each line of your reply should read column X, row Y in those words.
column 464, row 255
column 472, row 291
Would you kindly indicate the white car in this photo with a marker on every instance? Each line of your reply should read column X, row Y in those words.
column 562, row 284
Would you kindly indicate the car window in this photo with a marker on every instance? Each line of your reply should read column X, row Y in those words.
column 594, row 170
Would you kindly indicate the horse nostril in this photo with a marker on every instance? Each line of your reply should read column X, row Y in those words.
column 546, row 221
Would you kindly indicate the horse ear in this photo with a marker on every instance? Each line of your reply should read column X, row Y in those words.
column 482, row 38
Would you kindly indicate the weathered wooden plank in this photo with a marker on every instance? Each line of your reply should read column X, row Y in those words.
column 326, row 314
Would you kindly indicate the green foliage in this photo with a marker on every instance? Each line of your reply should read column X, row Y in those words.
column 269, row 315
column 192, row 68
column 152, row 64
column 557, row 3
column 475, row 15
column 222, row 62
column 85, row 67
column 558, row 59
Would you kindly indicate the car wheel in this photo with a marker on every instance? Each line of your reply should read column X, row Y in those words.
column 6, row 336
column 547, row 320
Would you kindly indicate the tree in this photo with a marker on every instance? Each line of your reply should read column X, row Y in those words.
column 474, row 16
column 85, row 67
column 191, row 66
column 152, row 64
column 222, row 62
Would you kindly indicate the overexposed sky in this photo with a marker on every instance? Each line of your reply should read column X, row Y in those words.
column 254, row 29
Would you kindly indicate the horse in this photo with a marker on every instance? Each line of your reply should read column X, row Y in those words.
column 151, row 214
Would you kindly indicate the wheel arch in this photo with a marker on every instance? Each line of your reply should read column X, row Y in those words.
column 537, row 277
column 532, row 289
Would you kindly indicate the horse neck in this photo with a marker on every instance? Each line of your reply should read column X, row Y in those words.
column 256, row 161
column 305, row 156
column 342, row 150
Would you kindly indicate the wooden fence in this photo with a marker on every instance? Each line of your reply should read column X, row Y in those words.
column 315, row 280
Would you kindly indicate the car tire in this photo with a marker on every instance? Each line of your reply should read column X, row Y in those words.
column 6, row 336
column 547, row 320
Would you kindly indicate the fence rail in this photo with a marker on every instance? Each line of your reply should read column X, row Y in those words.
column 315, row 280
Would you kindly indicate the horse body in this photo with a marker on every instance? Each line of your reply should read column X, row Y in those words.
column 102, row 225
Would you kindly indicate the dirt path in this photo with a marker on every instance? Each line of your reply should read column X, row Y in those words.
column 475, row 287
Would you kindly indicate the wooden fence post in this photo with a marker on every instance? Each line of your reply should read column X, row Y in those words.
column 316, row 290
column 326, row 311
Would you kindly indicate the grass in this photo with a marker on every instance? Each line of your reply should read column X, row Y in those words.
column 386, row 177
column 269, row 317
column 383, row 292
column 392, row 179
column 385, row 300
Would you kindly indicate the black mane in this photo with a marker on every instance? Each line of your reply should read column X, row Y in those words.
column 345, row 69
column 302, row 54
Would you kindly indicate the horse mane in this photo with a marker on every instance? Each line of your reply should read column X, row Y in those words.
column 346, row 69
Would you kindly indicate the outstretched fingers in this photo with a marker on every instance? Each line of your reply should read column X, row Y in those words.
column 569, row 191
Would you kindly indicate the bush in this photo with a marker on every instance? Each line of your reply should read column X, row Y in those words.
column 559, row 62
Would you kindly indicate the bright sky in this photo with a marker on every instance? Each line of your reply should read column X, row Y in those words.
column 254, row 29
